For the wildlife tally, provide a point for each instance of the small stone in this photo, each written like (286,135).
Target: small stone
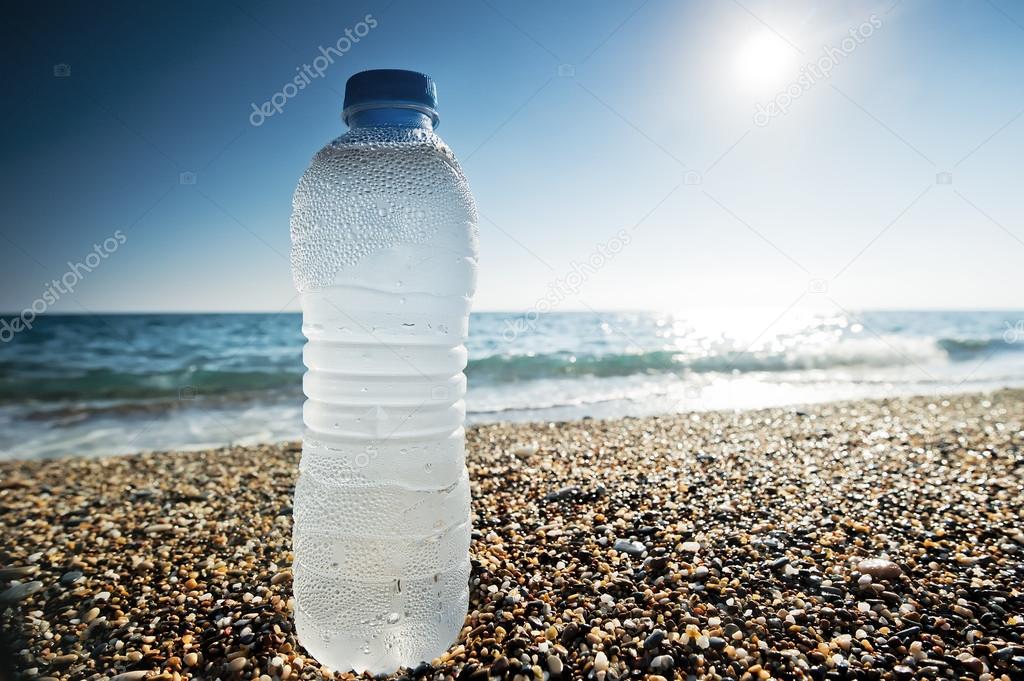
(238,664)
(903,672)
(600,662)
(971,663)
(966,613)
(192,659)
(64,660)
(570,633)
(909,632)
(159,527)
(136,675)
(20,592)
(691,546)
(282,576)
(655,639)
(555,664)
(879,568)
(16,572)
(525,451)
(633,548)
(563,493)
(69,578)
(662,663)
(499,666)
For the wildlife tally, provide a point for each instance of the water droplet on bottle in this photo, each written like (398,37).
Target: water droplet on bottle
(393,617)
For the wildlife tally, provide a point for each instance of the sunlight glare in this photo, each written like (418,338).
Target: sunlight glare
(764,62)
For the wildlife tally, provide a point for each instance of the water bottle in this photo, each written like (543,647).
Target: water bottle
(384,256)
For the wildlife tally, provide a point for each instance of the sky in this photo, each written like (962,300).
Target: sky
(847,154)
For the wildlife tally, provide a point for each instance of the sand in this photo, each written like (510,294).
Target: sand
(876,539)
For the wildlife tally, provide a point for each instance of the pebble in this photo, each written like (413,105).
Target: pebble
(524,451)
(20,592)
(662,663)
(633,548)
(137,675)
(564,493)
(16,572)
(64,660)
(879,568)
(600,662)
(655,639)
(69,578)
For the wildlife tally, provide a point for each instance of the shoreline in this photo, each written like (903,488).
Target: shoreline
(716,543)
(272,420)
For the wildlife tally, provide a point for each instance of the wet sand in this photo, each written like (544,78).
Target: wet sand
(873,539)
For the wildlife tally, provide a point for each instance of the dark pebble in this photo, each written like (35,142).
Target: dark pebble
(563,493)
(656,637)
(629,547)
(69,578)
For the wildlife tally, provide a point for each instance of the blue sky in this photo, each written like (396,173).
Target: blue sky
(574,121)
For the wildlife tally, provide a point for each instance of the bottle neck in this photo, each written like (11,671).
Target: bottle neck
(390,116)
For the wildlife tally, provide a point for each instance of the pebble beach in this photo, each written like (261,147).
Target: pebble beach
(857,540)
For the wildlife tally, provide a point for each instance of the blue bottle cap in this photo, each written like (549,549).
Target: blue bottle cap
(396,88)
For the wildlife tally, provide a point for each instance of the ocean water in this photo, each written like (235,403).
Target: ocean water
(106,384)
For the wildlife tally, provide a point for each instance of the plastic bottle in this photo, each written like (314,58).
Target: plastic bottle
(384,256)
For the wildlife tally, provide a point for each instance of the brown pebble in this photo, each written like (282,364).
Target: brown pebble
(64,660)
(879,568)
(136,675)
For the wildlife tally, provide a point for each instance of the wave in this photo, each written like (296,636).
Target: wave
(970,347)
(110,384)
(881,352)
(20,382)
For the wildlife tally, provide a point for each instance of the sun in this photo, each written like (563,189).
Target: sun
(764,62)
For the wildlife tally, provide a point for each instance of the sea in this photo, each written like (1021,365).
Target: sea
(93,385)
